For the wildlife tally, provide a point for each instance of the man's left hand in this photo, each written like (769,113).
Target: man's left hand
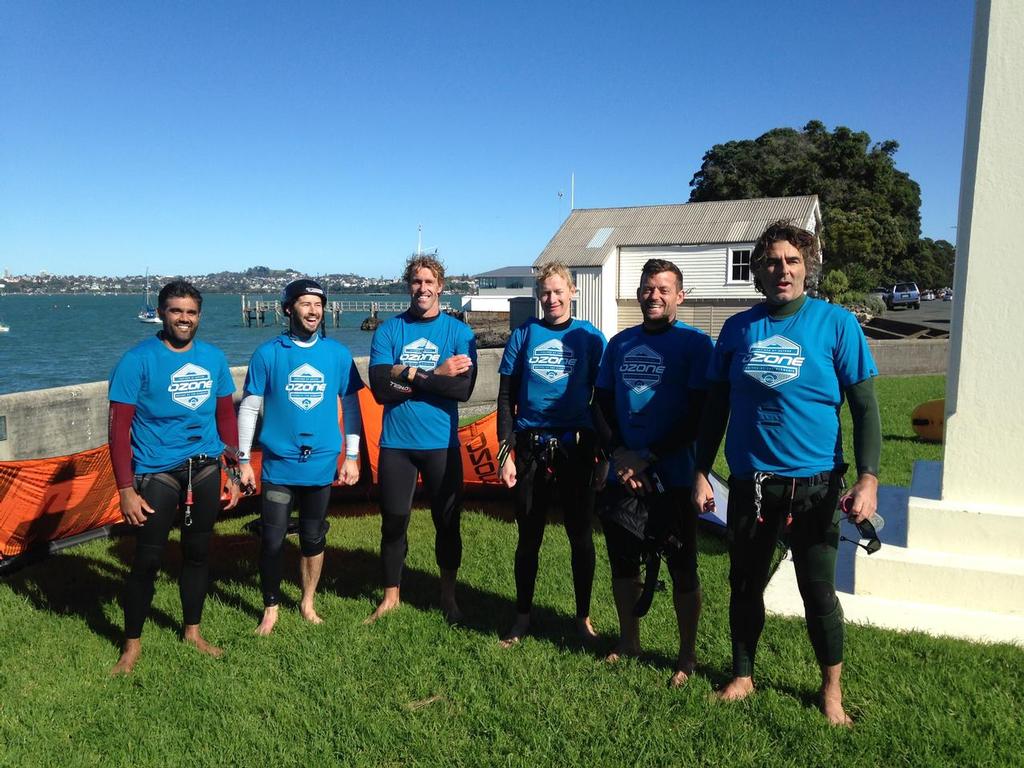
(349,474)
(863,499)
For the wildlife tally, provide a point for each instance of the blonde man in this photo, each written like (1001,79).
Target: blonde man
(547,382)
(422,365)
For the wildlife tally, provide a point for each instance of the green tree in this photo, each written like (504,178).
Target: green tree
(870,209)
(835,287)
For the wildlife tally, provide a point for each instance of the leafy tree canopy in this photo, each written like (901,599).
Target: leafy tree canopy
(870,210)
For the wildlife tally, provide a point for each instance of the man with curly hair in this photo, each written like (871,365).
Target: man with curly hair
(779,375)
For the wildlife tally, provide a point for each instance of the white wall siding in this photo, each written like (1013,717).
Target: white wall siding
(588,294)
(705,270)
(709,318)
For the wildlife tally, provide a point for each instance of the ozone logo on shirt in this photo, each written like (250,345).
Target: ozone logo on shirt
(773,361)
(642,368)
(552,361)
(191,386)
(422,354)
(306,387)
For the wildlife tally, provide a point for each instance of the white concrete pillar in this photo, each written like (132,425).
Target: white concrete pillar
(984,452)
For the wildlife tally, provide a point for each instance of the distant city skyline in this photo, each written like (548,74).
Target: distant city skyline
(198,138)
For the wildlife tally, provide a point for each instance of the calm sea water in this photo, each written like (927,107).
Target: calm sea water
(59,340)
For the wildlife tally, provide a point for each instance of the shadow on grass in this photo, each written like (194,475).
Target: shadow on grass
(356,574)
(79,585)
(905,439)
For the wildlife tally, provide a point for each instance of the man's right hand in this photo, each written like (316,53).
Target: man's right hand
(703,493)
(134,508)
(631,471)
(456,365)
(508,472)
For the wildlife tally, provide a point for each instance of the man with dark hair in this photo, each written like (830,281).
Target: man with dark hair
(297,377)
(422,365)
(779,374)
(171,415)
(649,394)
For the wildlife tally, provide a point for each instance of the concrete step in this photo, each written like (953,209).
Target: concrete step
(942,578)
(782,598)
(939,525)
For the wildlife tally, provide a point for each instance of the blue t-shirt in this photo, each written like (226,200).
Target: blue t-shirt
(300,387)
(651,375)
(787,378)
(557,369)
(424,421)
(175,398)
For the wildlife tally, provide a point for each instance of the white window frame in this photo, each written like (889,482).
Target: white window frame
(729,266)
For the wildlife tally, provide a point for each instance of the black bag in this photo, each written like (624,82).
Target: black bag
(652,519)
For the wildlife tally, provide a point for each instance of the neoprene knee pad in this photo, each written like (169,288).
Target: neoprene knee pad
(312,542)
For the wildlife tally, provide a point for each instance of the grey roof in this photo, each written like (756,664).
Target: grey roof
(723,221)
(525,271)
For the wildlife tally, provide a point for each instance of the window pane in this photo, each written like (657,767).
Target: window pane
(741,266)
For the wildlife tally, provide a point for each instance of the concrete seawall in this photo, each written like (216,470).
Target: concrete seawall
(64,420)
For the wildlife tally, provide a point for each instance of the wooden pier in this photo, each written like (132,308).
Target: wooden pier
(260,312)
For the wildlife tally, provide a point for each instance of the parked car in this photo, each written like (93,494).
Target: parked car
(927,296)
(903,295)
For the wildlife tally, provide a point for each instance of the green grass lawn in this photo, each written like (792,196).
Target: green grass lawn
(412,690)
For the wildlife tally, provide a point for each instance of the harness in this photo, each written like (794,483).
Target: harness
(196,468)
(549,449)
(822,478)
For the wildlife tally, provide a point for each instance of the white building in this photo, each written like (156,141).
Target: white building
(711,243)
(496,287)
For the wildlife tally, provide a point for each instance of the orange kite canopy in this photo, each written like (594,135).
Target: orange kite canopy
(45,500)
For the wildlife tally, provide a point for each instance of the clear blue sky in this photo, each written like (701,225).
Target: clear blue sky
(197,136)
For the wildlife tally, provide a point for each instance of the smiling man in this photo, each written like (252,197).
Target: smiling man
(171,415)
(650,390)
(779,374)
(422,365)
(547,382)
(298,377)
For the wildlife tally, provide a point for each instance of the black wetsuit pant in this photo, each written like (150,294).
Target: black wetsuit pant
(165,493)
(626,550)
(441,470)
(810,509)
(276,505)
(564,481)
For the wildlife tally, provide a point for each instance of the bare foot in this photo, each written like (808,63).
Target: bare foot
(832,707)
(268,621)
(620,651)
(684,668)
(129,655)
(737,689)
(518,631)
(585,629)
(386,606)
(309,613)
(193,638)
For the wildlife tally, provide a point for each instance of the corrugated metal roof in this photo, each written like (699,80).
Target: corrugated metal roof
(526,271)
(723,221)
